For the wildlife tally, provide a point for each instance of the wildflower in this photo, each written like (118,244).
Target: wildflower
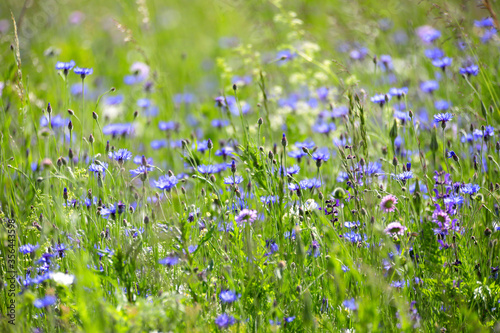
(45,301)
(428,34)
(246,215)
(233,180)
(443,118)
(272,247)
(488,34)
(224,152)
(28,248)
(166,183)
(61,278)
(219,123)
(169,261)
(350,304)
(442,63)
(454,200)
(140,171)
(294,169)
(298,154)
(118,129)
(451,154)
(403,176)
(442,105)
(224,321)
(106,212)
(98,168)
(207,169)
(168,125)
(228,296)
(388,203)
(429,86)
(321,155)
(310,183)
(470,188)
(121,156)
(434,53)
(395,228)
(83,72)
(398,92)
(380,99)
(486,22)
(469,70)
(65,66)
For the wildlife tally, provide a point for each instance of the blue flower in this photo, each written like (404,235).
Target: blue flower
(442,63)
(398,92)
(271,246)
(28,248)
(166,183)
(207,169)
(233,180)
(488,34)
(350,304)
(228,296)
(321,155)
(106,212)
(323,128)
(298,154)
(141,170)
(469,70)
(158,144)
(98,168)
(168,125)
(429,86)
(122,155)
(169,261)
(45,301)
(224,151)
(285,56)
(403,176)
(454,200)
(118,129)
(65,66)
(450,154)
(83,72)
(434,53)
(224,321)
(443,117)
(310,183)
(219,123)
(486,22)
(470,188)
(428,34)
(380,99)
(294,169)
(442,105)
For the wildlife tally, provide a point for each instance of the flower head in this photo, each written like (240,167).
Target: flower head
(121,156)
(395,228)
(166,183)
(246,215)
(388,203)
(83,72)
(224,320)
(169,261)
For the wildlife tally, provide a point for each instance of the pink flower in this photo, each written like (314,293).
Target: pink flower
(388,203)
(246,215)
(395,228)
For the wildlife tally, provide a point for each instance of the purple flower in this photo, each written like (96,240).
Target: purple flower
(224,321)
(246,215)
(442,63)
(429,86)
(121,156)
(469,70)
(118,129)
(83,72)
(65,66)
(443,118)
(166,183)
(395,228)
(388,203)
(350,304)
(28,248)
(428,34)
(45,301)
(398,92)
(434,53)
(169,261)
(228,296)
(380,99)
(233,180)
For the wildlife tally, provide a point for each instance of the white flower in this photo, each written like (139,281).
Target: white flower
(61,278)
(310,205)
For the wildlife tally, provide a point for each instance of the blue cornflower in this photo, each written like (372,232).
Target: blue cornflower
(219,123)
(454,200)
(442,63)
(443,118)
(45,301)
(486,22)
(158,144)
(309,144)
(168,125)
(141,170)
(469,70)
(489,131)
(65,66)
(185,98)
(138,160)
(192,248)
(434,53)
(403,176)
(470,188)
(118,129)
(398,92)
(350,304)
(121,156)
(298,154)
(228,296)
(224,151)
(207,169)
(169,261)
(385,62)
(429,86)
(233,180)
(106,212)
(353,237)
(450,154)
(324,128)
(293,187)
(28,248)
(272,247)
(114,100)
(310,183)
(55,122)
(428,34)
(342,177)
(488,34)
(358,54)
(442,105)
(98,168)
(224,321)
(294,169)
(285,56)
(269,199)
(166,183)
(380,99)
(83,72)
(321,155)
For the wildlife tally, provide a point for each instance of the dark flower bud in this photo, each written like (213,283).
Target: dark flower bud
(94,115)
(321,196)
(70,153)
(107,147)
(212,178)
(170,173)
(384,151)
(408,166)
(362,161)
(136,114)
(65,194)
(305,150)
(49,108)
(233,166)
(235,87)
(59,162)
(261,149)
(411,114)
(71,112)
(284,141)
(260,121)
(487,232)
(271,155)
(70,125)
(146,220)
(395,161)
(210,144)
(203,192)
(249,186)
(91,138)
